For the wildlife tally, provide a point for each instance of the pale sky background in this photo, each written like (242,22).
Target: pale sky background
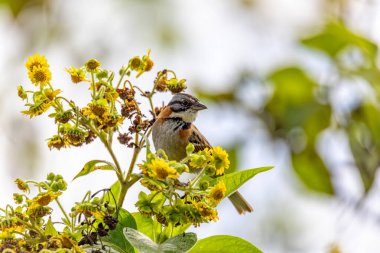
(207,42)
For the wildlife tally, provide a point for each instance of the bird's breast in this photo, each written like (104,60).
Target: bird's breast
(168,136)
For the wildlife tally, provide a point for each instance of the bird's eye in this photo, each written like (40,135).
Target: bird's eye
(186,103)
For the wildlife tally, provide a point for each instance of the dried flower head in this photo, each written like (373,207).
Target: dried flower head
(135,63)
(92,65)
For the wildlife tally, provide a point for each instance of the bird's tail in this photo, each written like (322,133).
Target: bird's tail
(241,205)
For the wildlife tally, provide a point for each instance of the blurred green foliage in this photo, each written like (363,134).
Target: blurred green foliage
(300,108)
(17,6)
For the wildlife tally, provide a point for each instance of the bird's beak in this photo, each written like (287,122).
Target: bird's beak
(199,106)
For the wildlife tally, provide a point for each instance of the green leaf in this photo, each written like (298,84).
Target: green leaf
(365,145)
(140,241)
(294,109)
(312,171)
(294,105)
(146,225)
(236,179)
(50,229)
(224,244)
(336,37)
(179,244)
(233,157)
(180,229)
(220,97)
(116,238)
(114,193)
(92,166)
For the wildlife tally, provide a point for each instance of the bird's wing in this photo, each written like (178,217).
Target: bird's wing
(198,140)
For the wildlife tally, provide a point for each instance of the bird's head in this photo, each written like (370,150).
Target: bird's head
(185,106)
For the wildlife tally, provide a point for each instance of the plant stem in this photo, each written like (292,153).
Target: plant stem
(136,152)
(197,177)
(121,77)
(93,85)
(65,214)
(123,193)
(119,172)
(151,106)
(32,227)
(124,189)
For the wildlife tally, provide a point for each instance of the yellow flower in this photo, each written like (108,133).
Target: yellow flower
(217,193)
(51,94)
(36,60)
(148,63)
(57,142)
(206,211)
(160,170)
(175,85)
(141,65)
(110,121)
(21,92)
(6,235)
(38,108)
(220,160)
(73,135)
(10,225)
(44,199)
(89,209)
(77,75)
(99,107)
(199,160)
(22,185)
(40,75)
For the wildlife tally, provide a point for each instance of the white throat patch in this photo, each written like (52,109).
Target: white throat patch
(187,116)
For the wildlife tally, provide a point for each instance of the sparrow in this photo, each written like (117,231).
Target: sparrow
(173,130)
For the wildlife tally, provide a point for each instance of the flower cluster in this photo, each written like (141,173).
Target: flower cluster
(164,83)
(30,217)
(179,203)
(98,218)
(38,70)
(111,103)
(113,108)
(88,221)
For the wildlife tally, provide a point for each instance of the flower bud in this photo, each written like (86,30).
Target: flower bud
(57,177)
(21,92)
(102,74)
(18,198)
(203,185)
(210,170)
(135,63)
(190,148)
(54,187)
(92,65)
(50,176)
(62,184)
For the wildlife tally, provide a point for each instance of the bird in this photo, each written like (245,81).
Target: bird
(174,129)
